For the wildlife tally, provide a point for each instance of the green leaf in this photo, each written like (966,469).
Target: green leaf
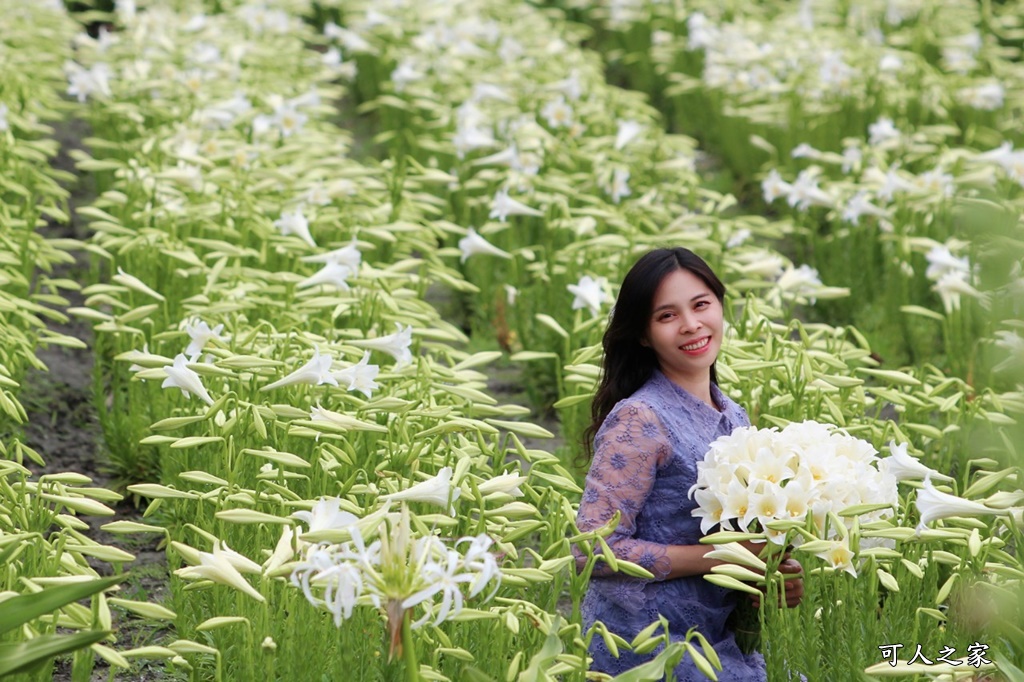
(21,609)
(1008,669)
(655,668)
(571,400)
(544,658)
(21,656)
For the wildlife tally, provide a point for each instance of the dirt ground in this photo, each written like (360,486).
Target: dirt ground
(64,429)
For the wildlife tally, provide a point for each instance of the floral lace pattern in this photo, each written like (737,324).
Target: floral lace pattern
(645,460)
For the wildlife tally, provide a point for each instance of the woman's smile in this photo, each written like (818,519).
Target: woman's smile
(697,347)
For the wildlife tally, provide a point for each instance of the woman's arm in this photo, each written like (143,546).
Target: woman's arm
(630,447)
(687,560)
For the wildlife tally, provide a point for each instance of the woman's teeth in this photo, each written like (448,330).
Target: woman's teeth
(698,345)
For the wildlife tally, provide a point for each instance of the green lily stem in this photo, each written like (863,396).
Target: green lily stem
(412,664)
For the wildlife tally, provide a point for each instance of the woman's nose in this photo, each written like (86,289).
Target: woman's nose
(689,322)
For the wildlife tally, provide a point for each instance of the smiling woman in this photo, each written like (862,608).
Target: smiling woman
(655,412)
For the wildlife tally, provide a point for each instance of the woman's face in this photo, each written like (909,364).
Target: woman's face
(685,327)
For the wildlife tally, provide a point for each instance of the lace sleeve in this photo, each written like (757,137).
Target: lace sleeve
(628,450)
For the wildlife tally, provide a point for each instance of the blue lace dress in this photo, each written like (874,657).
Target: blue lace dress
(645,456)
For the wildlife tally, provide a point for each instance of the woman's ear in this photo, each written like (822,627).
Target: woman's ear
(644,342)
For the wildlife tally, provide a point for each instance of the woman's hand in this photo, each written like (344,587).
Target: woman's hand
(794,586)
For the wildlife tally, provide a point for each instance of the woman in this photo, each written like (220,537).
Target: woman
(655,413)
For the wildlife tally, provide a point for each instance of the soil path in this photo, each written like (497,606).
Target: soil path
(63,427)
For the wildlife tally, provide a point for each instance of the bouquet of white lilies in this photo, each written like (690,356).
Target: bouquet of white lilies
(753,479)
(771,481)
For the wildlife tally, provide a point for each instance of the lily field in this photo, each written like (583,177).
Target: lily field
(307,247)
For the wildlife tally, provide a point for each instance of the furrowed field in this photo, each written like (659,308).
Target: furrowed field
(301,305)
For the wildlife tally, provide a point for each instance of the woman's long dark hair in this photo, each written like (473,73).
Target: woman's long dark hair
(628,364)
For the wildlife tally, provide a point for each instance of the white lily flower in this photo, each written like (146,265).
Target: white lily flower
(295,223)
(436,490)
(218,568)
(238,105)
(4,125)
(800,282)
(737,238)
(349,256)
(473,244)
(935,182)
(892,182)
(445,579)
(627,132)
(904,466)
(589,293)
(480,560)
(318,195)
(83,83)
(890,63)
(835,72)
(934,504)
(396,345)
(331,273)
(571,86)
(326,514)
(773,186)
(618,186)
(470,137)
(951,286)
(735,501)
(315,372)
(838,556)
(769,467)
(852,157)
(125,10)
(242,563)
(344,586)
(360,376)
(407,71)
(332,57)
(350,40)
(503,206)
(342,579)
(284,551)
(1013,343)
(882,132)
(859,205)
(709,510)
(558,113)
(766,506)
(180,376)
(484,91)
(804,192)
(941,261)
(1000,155)
(201,334)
